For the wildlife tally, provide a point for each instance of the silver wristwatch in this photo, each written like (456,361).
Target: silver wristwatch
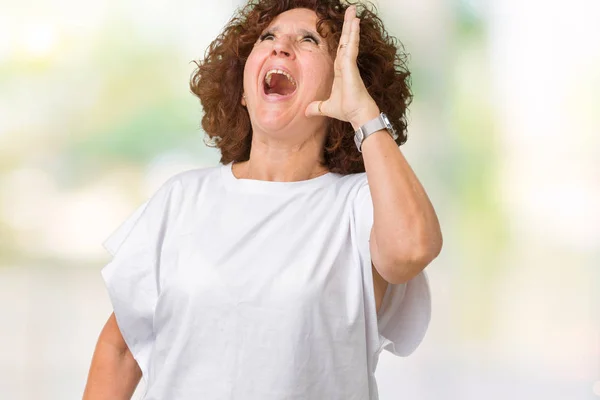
(374,125)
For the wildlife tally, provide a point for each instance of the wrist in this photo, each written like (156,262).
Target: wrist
(364,115)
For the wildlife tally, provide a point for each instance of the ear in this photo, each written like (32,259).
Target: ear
(243,101)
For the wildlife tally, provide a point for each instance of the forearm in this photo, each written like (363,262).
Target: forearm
(406,234)
(114,373)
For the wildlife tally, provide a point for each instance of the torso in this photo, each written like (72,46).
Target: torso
(235,319)
(379,284)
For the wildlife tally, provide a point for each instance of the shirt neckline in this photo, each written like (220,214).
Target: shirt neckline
(255,185)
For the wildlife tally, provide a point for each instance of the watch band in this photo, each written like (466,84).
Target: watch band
(372,126)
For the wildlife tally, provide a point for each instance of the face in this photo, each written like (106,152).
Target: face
(289,67)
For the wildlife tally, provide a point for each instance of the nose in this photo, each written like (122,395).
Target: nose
(282,48)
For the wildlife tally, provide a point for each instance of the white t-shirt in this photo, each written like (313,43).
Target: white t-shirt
(241,289)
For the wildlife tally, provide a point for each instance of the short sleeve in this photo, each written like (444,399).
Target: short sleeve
(131,277)
(405,312)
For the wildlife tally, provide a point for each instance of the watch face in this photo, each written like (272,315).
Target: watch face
(386,121)
(389,126)
(360,134)
(358,142)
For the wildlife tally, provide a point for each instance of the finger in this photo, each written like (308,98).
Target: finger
(313,109)
(348,16)
(353,39)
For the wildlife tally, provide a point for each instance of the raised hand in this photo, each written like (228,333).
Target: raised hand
(349,100)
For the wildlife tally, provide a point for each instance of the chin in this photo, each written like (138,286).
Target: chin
(274,120)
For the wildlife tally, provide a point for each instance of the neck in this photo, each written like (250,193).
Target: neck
(280,166)
(282,172)
(290,157)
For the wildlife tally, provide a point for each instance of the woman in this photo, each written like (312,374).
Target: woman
(283,273)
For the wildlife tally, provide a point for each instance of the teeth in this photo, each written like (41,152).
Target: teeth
(278,71)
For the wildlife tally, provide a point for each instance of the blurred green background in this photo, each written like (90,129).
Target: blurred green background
(95,114)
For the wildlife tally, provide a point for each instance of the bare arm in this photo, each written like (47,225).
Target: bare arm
(114,373)
(406,233)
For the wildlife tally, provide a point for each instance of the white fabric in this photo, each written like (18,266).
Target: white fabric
(228,288)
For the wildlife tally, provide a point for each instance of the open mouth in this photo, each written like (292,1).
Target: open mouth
(279,82)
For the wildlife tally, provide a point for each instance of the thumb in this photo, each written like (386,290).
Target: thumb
(313,109)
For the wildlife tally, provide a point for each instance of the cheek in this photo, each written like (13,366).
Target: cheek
(247,74)
(321,73)
(251,69)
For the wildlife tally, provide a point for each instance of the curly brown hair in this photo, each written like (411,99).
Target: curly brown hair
(218,78)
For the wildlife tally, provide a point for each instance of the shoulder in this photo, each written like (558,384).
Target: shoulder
(196,176)
(353,181)
(189,181)
(353,186)
(181,190)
